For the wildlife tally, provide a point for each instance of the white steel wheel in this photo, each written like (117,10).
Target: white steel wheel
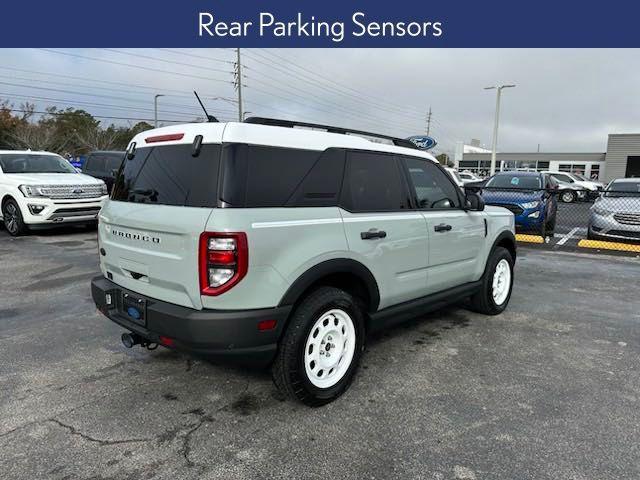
(329,348)
(501,282)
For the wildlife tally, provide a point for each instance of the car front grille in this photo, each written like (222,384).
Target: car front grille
(516,209)
(628,218)
(72,191)
(624,233)
(74,212)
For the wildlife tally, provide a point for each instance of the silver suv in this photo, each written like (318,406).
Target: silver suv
(273,245)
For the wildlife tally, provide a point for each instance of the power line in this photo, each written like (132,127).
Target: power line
(316,75)
(58,90)
(109,89)
(37,112)
(331,103)
(356,93)
(156,59)
(141,67)
(90,104)
(354,114)
(193,55)
(176,93)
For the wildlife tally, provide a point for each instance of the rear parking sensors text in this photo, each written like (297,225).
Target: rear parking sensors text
(301,26)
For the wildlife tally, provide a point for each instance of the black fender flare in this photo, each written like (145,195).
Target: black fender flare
(329,267)
(505,235)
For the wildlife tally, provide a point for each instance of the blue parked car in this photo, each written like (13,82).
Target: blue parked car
(531,196)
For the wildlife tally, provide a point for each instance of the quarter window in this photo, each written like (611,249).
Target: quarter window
(373,183)
(432,187)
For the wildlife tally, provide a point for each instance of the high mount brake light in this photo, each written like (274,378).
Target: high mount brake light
(223,261)
(164,138)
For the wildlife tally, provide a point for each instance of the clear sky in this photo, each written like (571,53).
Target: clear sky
(565,100)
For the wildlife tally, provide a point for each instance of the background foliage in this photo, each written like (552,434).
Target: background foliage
(71,131)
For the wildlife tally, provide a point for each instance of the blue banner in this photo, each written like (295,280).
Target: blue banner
(330,23)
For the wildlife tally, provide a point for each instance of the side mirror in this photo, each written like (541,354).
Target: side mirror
(476,184)
(114,172)
(474,202)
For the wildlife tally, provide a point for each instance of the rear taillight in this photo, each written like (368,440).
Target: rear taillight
(223,260)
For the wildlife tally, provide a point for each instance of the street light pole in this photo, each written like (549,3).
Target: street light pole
(155,109)
(498,89)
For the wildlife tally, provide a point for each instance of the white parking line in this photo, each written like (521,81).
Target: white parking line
(564,239)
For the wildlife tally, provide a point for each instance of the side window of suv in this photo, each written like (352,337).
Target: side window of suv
(94,163)
(373,183)
(433,188)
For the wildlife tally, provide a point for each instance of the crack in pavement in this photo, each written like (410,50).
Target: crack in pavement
(185,450)
(74,431)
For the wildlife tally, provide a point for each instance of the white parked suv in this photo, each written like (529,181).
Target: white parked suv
(282,246)
(42,189)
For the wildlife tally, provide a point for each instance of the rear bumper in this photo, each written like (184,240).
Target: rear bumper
(226,335)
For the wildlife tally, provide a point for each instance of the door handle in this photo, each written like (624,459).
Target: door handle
(373,234)
(442,228)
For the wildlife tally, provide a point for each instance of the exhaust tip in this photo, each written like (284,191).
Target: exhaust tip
(130,339)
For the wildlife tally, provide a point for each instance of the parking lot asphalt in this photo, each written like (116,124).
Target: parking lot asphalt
(550,389)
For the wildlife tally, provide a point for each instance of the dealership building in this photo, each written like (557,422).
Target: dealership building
(622,159)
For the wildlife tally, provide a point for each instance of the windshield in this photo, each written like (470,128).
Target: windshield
(580,177)
(563,177)
(34,163)
(523,182)
(623,189)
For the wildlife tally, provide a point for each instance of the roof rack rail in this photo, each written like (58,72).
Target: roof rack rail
(275,122)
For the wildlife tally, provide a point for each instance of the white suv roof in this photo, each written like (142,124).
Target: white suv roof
(259,134)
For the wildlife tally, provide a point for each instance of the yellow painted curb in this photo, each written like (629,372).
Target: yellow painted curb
(520,237)
(622,247)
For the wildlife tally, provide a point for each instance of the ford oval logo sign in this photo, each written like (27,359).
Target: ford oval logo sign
(423,142)
(133,313)
(78,191)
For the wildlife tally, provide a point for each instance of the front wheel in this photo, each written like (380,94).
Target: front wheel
(13,221)
(321,347)
(497,283)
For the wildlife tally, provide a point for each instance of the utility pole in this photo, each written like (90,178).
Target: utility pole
(498,89)
(155,109)
(239,80)
(429,122)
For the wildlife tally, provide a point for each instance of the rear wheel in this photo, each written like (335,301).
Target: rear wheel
(320,350)
(12,217)
(497,283)
(568,196)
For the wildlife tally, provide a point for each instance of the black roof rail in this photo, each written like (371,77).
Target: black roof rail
(275,122)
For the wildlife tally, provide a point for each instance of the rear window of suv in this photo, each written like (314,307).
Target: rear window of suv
(170,175)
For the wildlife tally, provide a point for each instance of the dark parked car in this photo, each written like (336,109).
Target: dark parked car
(103,165)
(531,196)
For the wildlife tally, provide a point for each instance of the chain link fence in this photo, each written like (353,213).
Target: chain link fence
(600,219)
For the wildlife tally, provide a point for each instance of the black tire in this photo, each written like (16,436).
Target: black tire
(289,371)
(543,230)
(482,301)
(12,218)
(570,196)
(551,227)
